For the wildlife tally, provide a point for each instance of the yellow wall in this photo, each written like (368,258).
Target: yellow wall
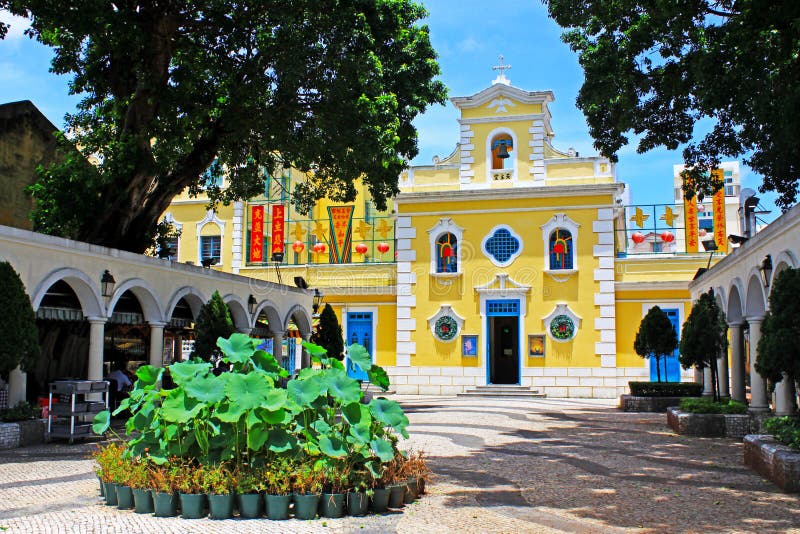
(527,269)
(485,111)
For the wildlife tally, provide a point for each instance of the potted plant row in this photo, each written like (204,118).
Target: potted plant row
(249,437)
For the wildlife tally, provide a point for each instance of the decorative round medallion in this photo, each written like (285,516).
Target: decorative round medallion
(562,328)
(445,328)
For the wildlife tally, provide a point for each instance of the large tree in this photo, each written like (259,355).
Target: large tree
(177,93)
(656,68)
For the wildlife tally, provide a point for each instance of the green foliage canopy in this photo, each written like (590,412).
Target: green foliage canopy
(656,338)
(175,93)
(19,336)
(657,68)
(778,349)
(213,321)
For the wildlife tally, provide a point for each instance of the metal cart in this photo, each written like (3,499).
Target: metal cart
(73,419)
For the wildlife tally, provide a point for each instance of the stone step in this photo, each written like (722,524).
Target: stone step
(499,390)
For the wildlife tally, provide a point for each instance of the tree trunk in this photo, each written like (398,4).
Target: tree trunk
(658,368)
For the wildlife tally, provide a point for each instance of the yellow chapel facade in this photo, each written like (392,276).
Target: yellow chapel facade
(509,262)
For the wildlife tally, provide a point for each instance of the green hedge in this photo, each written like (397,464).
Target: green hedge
(786,430)
(665,389)
(703,405)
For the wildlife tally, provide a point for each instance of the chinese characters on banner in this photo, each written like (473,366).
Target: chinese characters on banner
(341,218)
(690,223)
(257,234)
(720,231)
(278,230)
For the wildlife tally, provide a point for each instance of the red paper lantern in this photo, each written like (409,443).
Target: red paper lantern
(319,248)
(383,248)
(298,246)
(667,237)
(361,248)
(637,237)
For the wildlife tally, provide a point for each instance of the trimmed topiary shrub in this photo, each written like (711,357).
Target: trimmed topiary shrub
(213,322)
(656,339)
(665,389)
(329,333)
(703,405)
(19,337)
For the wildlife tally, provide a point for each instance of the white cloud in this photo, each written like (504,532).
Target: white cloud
(470,44)
(18,25)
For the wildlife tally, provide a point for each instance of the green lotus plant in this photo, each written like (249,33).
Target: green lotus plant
(245,417)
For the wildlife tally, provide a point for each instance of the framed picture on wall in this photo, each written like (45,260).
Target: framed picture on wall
(536,345)
(469,345)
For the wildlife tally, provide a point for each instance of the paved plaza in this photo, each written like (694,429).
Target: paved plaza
(544,465)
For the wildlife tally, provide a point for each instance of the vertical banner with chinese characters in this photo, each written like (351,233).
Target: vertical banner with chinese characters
(341,218)
(257,234)
(720,231)
(278,232)
(690,223)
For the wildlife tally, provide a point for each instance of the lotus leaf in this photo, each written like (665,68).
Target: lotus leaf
(101,422)
(341,387)
(247,391)
(266,362)
(317,353)
(209,389)
(304,392)
(229,413)
(178,408)
(274,399)
(276,417)
(123,405)
(356,413)
(183,372)
(238,348)
(359,356)
(148,375)
(389,413)
(361,432)
(336,364)
(378,377)
(332,446)
(256,437)
(382,449)
(280,441)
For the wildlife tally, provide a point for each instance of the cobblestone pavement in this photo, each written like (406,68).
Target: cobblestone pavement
(544,465)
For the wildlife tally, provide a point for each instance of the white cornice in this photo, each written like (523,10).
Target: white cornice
(511,193)
(504,118)
(650,285)
(483,97)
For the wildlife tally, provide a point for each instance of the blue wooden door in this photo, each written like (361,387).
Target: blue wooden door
(359,330)
(673,367)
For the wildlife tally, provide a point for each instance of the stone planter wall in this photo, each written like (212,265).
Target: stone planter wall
(773,460)
(22,433)
(630,403)
(708,424)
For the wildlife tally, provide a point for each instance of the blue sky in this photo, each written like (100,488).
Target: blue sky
(469,36)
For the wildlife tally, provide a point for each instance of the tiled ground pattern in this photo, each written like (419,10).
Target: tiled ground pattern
(544,465)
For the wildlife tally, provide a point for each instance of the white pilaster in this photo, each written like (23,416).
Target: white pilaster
(605,297)
(238,236)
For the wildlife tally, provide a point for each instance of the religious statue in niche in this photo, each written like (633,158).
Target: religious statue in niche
(445,328)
